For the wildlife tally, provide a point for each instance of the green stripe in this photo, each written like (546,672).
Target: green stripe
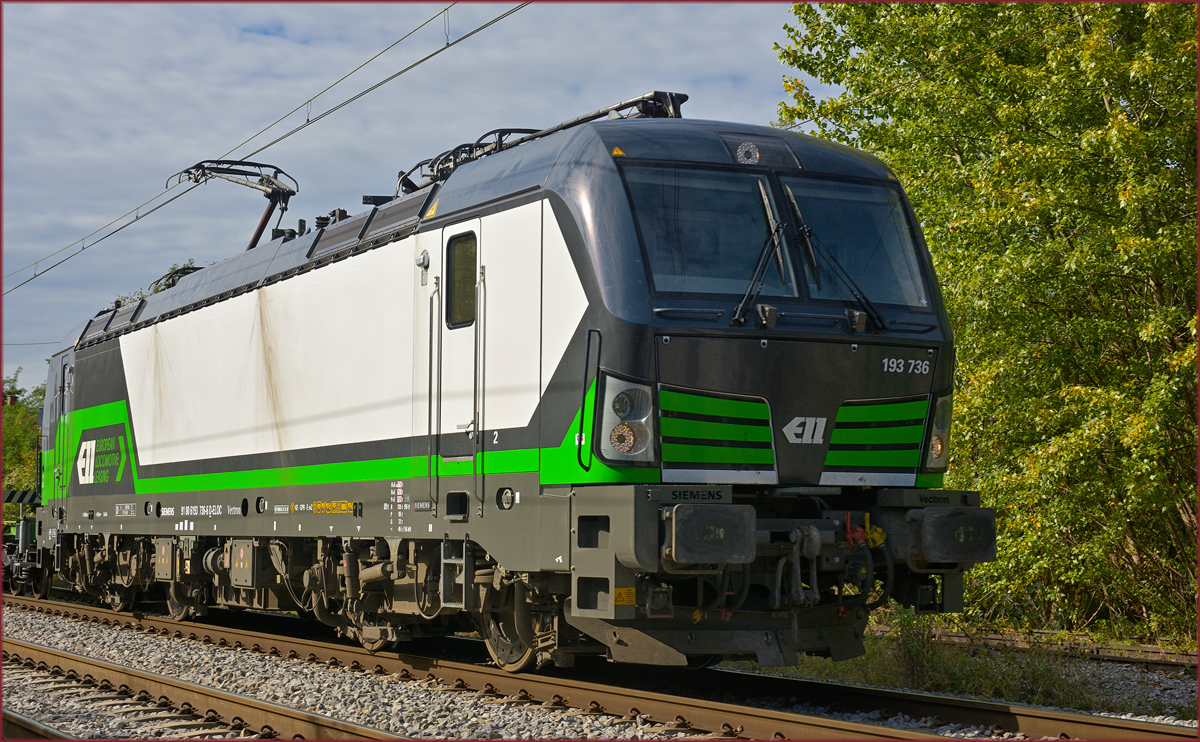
(891,459)
(355,471)
(674,427)
(878,413)
(510,462)
(677,453)
(560,465)
(904,434)
(713,406)
(495,462)
(930,480)
(557,465)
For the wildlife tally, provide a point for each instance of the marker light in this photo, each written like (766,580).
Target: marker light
(938,446)
(627,424)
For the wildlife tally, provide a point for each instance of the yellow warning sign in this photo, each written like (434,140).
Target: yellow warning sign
(625,596)
(432,210)
(616,153)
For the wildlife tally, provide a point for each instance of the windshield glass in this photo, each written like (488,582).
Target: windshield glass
(703,230)
(865,228)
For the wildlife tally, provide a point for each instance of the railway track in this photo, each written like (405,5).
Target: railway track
(17,726)
(685,713)
(1071,645)
(212,710)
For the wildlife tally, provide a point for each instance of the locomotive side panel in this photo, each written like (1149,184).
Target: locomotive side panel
(316,361)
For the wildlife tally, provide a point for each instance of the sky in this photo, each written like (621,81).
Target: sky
(102,103)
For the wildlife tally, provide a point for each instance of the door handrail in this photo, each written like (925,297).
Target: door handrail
(477,401)
(579,439)
(435,319)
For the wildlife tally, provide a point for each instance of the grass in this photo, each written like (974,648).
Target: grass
(909,658)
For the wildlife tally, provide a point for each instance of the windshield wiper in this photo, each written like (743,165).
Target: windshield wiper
(760,274)
(808,236)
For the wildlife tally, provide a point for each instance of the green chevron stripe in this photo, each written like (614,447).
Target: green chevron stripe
(674,427)
(861,436)
(873,459)
(878,413)
(713,406)
(685,453)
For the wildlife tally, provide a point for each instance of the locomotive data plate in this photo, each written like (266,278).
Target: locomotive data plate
(715,493)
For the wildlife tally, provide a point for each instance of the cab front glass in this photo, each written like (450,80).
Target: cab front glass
(703,228)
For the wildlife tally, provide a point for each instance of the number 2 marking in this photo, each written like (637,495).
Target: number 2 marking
(495,436)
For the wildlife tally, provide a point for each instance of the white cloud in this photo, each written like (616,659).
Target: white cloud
(103,102)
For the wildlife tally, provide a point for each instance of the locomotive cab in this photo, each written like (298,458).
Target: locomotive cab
(774,365)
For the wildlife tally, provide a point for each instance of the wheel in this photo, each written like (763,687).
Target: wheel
(179,611)
(40,580)
(119,598)
(16,587)
(499,633)
(379,645)
(701,661)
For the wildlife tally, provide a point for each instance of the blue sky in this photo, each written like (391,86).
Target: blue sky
(103,102)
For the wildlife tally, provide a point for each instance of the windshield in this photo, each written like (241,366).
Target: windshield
(703,230)
(864,227)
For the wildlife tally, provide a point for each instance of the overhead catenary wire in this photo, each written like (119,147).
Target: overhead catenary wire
(386,80)
(140,216)
(943,68)
(308,103)
(137,211)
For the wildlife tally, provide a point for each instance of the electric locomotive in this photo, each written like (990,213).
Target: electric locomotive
(662,389)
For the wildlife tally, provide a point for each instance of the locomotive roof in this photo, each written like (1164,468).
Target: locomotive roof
(488,179)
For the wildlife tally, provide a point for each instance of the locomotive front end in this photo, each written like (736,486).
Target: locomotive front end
(779,378)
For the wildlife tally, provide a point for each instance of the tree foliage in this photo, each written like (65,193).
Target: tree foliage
(20,427)
(20,437)
(1055,177)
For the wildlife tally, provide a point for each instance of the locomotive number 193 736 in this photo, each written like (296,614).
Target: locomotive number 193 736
(900,366)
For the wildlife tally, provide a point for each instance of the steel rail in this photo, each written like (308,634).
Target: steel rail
(1136,654)
(17,726)
(696,714)
(660,708)
(1074,645)
(269,719)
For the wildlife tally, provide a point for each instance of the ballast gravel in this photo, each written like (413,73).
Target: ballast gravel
(384,702)
(414,710)
(1174,692)
(74,712)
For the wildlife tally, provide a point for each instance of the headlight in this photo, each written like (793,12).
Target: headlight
(938,446)
(627,424)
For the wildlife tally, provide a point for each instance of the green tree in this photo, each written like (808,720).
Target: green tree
(1050,152)
(20,426)
(20,437)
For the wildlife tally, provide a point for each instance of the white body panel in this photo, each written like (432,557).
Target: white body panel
(458,360)
(320,359)
(426,314)
(563,298)
(342,354)
(512,260)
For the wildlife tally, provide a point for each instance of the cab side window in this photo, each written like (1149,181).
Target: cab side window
(460,280)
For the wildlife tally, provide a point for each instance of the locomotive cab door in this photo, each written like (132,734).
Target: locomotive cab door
(459,388)
(64,459)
